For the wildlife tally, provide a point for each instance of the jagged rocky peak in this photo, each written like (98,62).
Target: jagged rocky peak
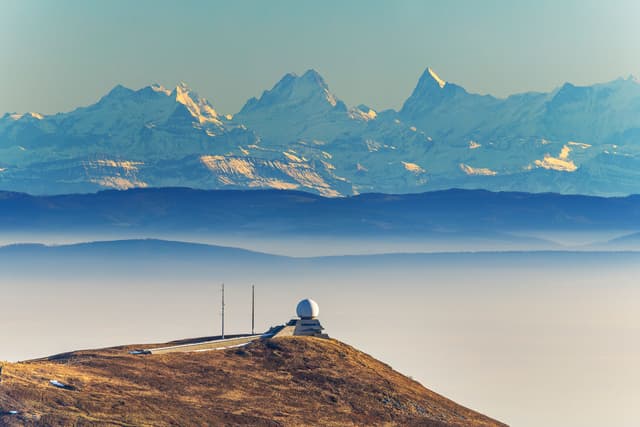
(570,93)
(431,90)
(121,94)
(308,88)
(313,77)
(310,80)
(198,106)
(156,101)
(436,78)
(183,91)
(430,81)
(158,88)
(118,92)
(22,116)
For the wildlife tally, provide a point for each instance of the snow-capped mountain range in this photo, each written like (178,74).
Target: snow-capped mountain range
(299,135)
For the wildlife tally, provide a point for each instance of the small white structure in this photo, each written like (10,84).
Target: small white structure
(307,309)
(307,324)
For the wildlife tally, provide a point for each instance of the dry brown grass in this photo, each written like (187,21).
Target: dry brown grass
(281,382)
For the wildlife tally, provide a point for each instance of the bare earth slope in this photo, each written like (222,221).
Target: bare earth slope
(286,381)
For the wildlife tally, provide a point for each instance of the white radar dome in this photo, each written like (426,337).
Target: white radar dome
(307,309)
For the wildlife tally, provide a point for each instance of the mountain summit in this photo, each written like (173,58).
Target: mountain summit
(299,135)
(429,82)
(437,78)
(293,90)
(444,108)
(199,108)
(283,381)
(296,107)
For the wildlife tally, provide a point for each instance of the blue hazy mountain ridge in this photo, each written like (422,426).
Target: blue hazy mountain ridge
(446,214)
(300,136)
(155,248)
(629,241)
(148,253)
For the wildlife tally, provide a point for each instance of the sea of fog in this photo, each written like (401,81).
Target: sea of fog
(545,338)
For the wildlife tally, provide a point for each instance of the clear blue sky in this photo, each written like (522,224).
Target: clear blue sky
(56,55)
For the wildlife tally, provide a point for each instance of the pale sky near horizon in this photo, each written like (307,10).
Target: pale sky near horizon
(58,55)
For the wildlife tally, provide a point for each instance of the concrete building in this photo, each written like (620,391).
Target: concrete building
(307,323)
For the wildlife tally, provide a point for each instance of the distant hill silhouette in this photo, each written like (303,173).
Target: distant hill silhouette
(277,212)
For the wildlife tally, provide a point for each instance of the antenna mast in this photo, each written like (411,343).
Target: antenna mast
(253,309)
(223,311)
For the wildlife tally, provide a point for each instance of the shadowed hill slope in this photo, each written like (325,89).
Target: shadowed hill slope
(287,381)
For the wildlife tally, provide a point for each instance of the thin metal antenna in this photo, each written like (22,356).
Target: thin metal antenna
(253,309)
(223,311)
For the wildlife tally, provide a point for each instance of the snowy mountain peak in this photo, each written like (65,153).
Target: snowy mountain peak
(633,78)
(160,89)
(18,116)
(310,89)
(198,107)
(430,81)
(313,76)
(118,91)
(299,108)
(431,90)
(309,77)
(181,90)
(437,78)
